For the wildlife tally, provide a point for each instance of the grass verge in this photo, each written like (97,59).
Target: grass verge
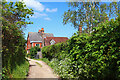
(21,71)
(38,64)
(43,59)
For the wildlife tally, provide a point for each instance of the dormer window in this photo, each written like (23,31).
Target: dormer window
(52,42)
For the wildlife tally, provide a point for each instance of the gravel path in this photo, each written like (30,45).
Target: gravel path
(39,69)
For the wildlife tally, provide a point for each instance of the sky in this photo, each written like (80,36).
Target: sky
(48,14)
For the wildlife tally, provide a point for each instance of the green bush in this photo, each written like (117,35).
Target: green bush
(54,51)
(33,51)
(89,56)
(45,60)
(62,67)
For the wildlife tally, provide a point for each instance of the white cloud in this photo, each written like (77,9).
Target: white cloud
(37,14)
(36,5)
(51,10)
(47,18)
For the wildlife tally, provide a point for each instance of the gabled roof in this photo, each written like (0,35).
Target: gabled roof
(35,36)
(56,39)
(48,35)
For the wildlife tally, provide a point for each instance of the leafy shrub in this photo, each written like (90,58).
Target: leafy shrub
(54,63)
(54,51)
(92,56)
(64,68)
(33,51)
(45,60)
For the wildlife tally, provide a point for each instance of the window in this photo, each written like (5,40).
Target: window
(52,42)
(37,45)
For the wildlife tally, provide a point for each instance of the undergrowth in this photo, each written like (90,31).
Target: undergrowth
(21,71)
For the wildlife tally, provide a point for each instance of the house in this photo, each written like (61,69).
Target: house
(42,39)
(36,39)
(54,40)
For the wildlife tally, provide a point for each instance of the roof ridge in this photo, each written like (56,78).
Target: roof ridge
(48,33)
(32,32)
(60,37)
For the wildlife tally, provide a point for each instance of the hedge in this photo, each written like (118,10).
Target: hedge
(54,51)
(92,56)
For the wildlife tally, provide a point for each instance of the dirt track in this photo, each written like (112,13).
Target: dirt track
(41,70)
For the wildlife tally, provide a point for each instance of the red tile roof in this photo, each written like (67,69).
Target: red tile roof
(56,39)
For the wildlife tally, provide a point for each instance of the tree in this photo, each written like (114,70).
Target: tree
(14,16)
(89,14)
(16,13)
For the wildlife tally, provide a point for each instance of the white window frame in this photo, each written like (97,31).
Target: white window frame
(52,42)
(34,41)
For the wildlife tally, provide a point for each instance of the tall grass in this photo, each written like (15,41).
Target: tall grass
(21,71)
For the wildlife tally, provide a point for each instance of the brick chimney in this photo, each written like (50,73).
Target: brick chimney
(39,31)
(80,29)
(42,30)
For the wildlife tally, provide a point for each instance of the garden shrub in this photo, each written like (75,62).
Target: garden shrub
(54,51)
(63,68)
(33,51)
(89,56)
(45,60)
